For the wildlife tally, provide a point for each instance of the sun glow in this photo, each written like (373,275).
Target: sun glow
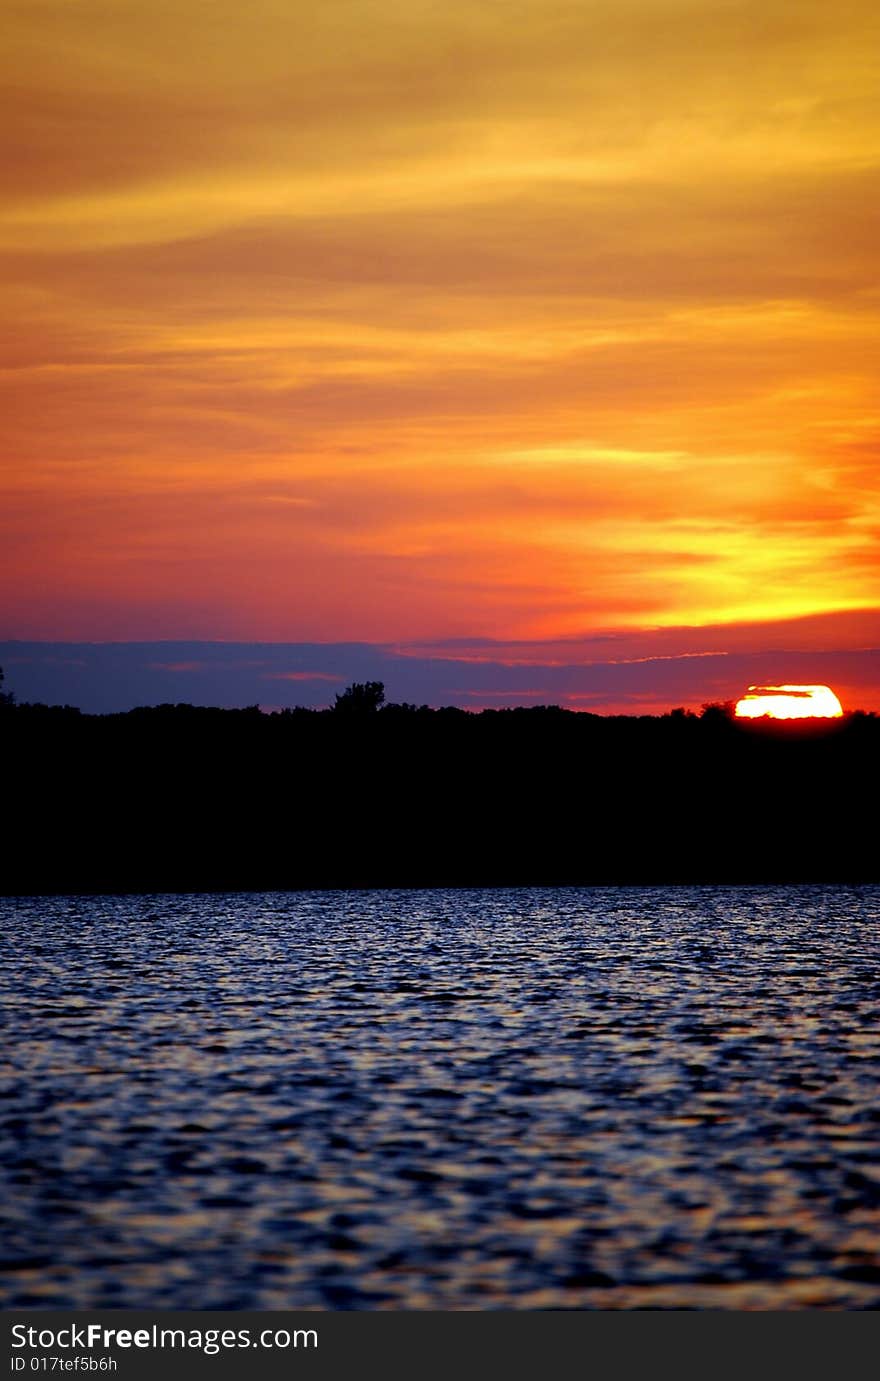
(789,702)
(464,322)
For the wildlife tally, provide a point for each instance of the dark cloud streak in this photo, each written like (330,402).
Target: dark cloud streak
(105,677)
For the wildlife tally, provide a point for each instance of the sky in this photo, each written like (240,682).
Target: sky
(425,325)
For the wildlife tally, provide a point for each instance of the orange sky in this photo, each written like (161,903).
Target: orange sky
(413,320)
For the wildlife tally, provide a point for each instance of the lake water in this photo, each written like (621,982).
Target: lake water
(558,1098)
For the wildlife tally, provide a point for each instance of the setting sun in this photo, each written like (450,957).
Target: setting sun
(789,702)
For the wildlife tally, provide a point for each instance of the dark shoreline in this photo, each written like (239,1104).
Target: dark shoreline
(181,799)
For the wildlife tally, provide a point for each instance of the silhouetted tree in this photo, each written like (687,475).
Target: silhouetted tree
(717,710)
(6,697)
(361,697)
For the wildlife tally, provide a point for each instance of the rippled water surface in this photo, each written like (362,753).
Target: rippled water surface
(442,1099)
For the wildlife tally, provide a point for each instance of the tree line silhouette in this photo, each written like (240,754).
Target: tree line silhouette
(366,793)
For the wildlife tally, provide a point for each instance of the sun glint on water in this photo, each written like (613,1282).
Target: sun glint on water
(789,702)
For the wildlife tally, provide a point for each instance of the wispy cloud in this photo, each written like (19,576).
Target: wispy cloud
(414,322)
